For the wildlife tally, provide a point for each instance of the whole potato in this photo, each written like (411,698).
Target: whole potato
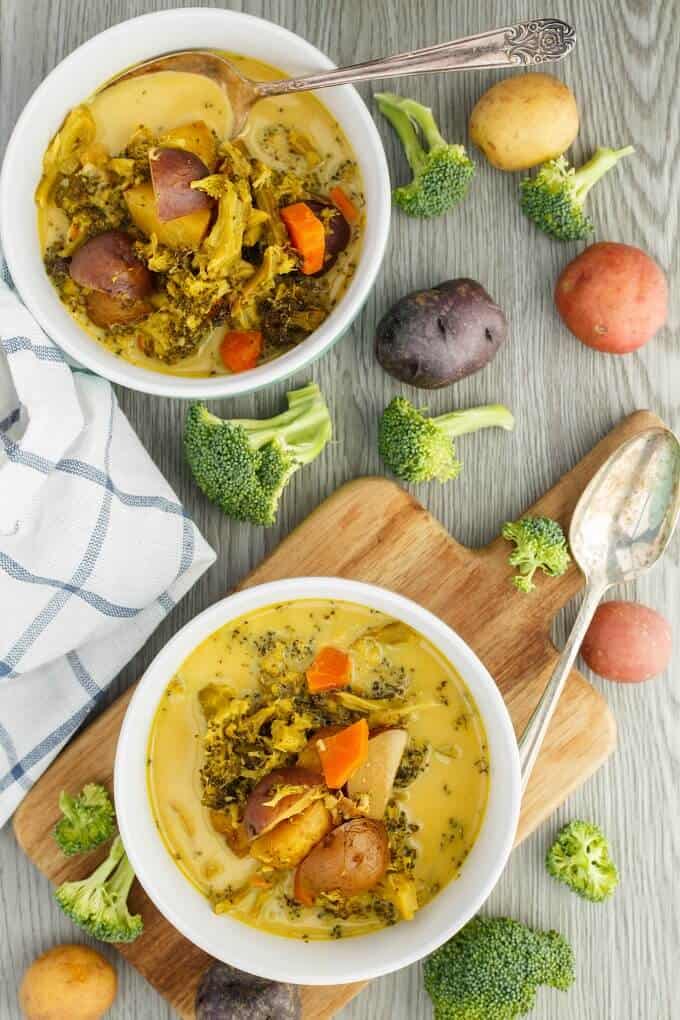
(524,120)
(350,860)
(613,297)
(73,982)
(108,263)
(434,337)
(627,642)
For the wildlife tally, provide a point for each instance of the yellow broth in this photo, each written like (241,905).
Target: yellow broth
(446,801)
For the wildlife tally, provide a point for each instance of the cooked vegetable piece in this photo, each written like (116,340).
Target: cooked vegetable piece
(282,793)
(241,349)
(234,832)
(435,337)
(493,967)
(73,982)
(375,778)
(441,172)
(195,137)
(108,263)
(98,904)
(404,894)
(351,859)
(627,642)
(107,310)
(172,173)
(524,120)
(87,821)
(580,858)
(539,543)
(343,753)
(420,449)
(62,156)
(185,233)
(290,841)
(307,235)
(225,993)
(341,199)
(308,757)
(337,232)
(331,669)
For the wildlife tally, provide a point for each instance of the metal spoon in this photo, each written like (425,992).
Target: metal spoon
(530,42)
(620,527)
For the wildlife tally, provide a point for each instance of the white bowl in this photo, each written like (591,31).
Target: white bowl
(273,956)
(76,78)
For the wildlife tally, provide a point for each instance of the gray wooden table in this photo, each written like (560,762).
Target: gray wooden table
(625,76)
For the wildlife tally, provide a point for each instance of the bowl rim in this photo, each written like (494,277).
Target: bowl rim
(56,321)
(255,950)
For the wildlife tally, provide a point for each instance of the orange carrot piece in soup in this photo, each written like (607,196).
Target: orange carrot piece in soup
(342,754)
(331,670)
(241,349)
(344,203)
(307,235)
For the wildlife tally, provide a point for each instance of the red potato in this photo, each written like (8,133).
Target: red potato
(108,263)
(172,172)
(108,310)
(260,817)
(627,642)
(613,297)
(351,859)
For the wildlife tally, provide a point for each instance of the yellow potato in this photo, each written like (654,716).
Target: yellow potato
(524,120)
(182,234)
(287,844)
(68,981)
(195,137)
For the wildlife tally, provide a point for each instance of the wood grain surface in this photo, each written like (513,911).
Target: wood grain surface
(625,75)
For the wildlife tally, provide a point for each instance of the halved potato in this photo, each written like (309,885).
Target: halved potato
(375,778)
(172,174)
(351,859)
(269,803)
(182,234)
(195,137)
(107,310)
(290,841)
(108,263)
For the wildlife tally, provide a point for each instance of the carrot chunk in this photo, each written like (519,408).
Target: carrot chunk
(331,669)
(342,754)
(240,349)
(344,203)
(307,235)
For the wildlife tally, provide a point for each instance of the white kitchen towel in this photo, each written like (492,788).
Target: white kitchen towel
(95,549)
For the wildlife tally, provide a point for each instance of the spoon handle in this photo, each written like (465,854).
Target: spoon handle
(530,42)
(531,740)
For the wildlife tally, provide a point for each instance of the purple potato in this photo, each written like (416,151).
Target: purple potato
(435,337)
(108,263)
(172,172)
(225,993)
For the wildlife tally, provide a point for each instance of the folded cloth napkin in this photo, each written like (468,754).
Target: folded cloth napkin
(94,547)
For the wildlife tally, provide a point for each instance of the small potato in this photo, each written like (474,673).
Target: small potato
(375,778)
(259,816)
(613,297)
(73,982)
(182,234)
(195,137)
(627,642)
(172,172)
(289,842)
(524,120)
(108,263)
(350,860)
(107,310)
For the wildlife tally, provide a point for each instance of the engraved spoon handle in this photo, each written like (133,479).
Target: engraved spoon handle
(530,42)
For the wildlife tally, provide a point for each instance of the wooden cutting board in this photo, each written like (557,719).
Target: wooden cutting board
(372,530)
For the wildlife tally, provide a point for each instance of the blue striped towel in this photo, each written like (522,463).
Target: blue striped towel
(94,547)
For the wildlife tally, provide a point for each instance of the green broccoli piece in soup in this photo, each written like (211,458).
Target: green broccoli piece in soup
(580,857)
(441,172)
(243,465)
(539,543)
(418,449)
(491,969)
(555,197)
(98,904)
(88,820)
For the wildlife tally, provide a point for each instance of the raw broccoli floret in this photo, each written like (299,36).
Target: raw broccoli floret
(539,542)
(491,968)
(441,172)
(243,465)
(555,197)
(580,858)
(88,820)
(417,448)
(98,904)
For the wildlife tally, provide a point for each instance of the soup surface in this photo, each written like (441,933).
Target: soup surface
(281,826)
(224,255)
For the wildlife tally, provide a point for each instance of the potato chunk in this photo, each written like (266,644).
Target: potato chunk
(183,234)
(290,842)
(375,778)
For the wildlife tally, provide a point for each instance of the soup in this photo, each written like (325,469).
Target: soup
(318,770)
(185,252)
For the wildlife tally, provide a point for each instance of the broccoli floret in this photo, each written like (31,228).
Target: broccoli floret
(491,968)
(243,465)
(88,821)
(580,858)
(98,904)
(539,542)
(417,448)
(555,197)
(441,172)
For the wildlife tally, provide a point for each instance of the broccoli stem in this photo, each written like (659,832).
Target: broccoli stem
(390,106)
(597,166)
(424,119)
(122,879)
(306,411)
(458,423)
(100,874)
